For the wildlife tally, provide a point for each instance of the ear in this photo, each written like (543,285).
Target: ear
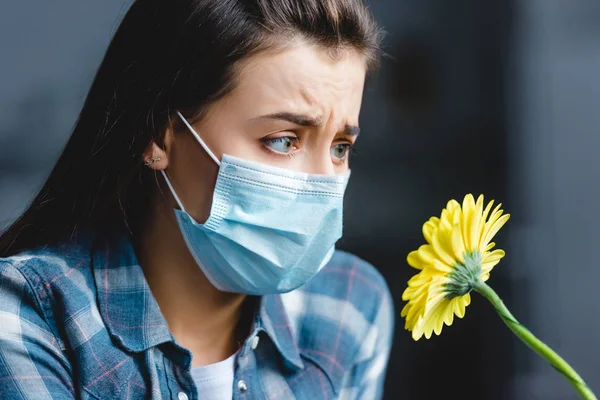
(155,158)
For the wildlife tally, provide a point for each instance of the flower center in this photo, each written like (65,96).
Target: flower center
(465,276)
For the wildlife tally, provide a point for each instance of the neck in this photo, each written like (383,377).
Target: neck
(208,322)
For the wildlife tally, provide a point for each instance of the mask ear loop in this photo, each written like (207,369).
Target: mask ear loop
(179,203)
(199,139)
(204,146)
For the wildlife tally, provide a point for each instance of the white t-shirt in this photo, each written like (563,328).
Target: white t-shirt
(215,381)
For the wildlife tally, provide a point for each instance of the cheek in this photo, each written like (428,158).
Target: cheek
(240,144)
(193,174)
(243,144)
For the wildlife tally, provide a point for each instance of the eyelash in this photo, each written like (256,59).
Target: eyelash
(349,147)
(265,142)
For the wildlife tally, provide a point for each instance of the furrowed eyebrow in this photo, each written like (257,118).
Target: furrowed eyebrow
(298,119)
(308,121)
(352,130)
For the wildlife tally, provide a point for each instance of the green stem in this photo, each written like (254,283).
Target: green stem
(534,343)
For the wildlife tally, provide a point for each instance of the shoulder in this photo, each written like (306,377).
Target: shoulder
(344,312)
(346,273)
(49,282)
(43,268)
(353,284)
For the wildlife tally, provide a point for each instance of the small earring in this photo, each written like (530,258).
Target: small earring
(151,160)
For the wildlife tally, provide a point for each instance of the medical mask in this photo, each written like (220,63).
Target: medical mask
(270,230)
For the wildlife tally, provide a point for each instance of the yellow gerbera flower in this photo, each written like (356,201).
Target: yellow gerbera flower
(457,256)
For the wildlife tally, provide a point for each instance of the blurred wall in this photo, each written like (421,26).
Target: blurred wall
(49,51)
(496,97)
(555,186)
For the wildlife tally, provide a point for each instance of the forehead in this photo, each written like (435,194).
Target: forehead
(303,76)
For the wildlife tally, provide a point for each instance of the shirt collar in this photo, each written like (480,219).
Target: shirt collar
(275,321)
(133,317)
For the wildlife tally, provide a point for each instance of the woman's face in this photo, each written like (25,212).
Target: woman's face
(297,108)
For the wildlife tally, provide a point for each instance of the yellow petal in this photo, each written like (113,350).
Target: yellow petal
(483,224)
(405,309)
(429,227)
(458,306)
(454,212)
(452,206)
(442,267)
(457,244)
(414,260)
(442,247)
(438,323)
(463,302)
(498,206)
(474,227)
(489,260)
(434,315)
(417,333)
(449,313)
(489,247)
(427,254)
(491,220)
(491,232)
(446,221)
(416,294)
(466,217)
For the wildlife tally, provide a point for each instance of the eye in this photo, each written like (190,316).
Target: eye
(340,151)
(283,145)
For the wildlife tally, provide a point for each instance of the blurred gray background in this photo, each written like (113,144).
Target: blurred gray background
(500,97)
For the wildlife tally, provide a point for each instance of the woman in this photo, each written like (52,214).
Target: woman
(183,245)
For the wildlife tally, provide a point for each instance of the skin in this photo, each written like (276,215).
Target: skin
(251,122)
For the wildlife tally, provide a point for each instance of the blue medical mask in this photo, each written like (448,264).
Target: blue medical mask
(270,230)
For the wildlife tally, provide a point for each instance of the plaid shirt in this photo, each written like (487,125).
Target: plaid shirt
(79,321)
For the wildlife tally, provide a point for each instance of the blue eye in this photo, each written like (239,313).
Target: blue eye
(282,145)
(340,151)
